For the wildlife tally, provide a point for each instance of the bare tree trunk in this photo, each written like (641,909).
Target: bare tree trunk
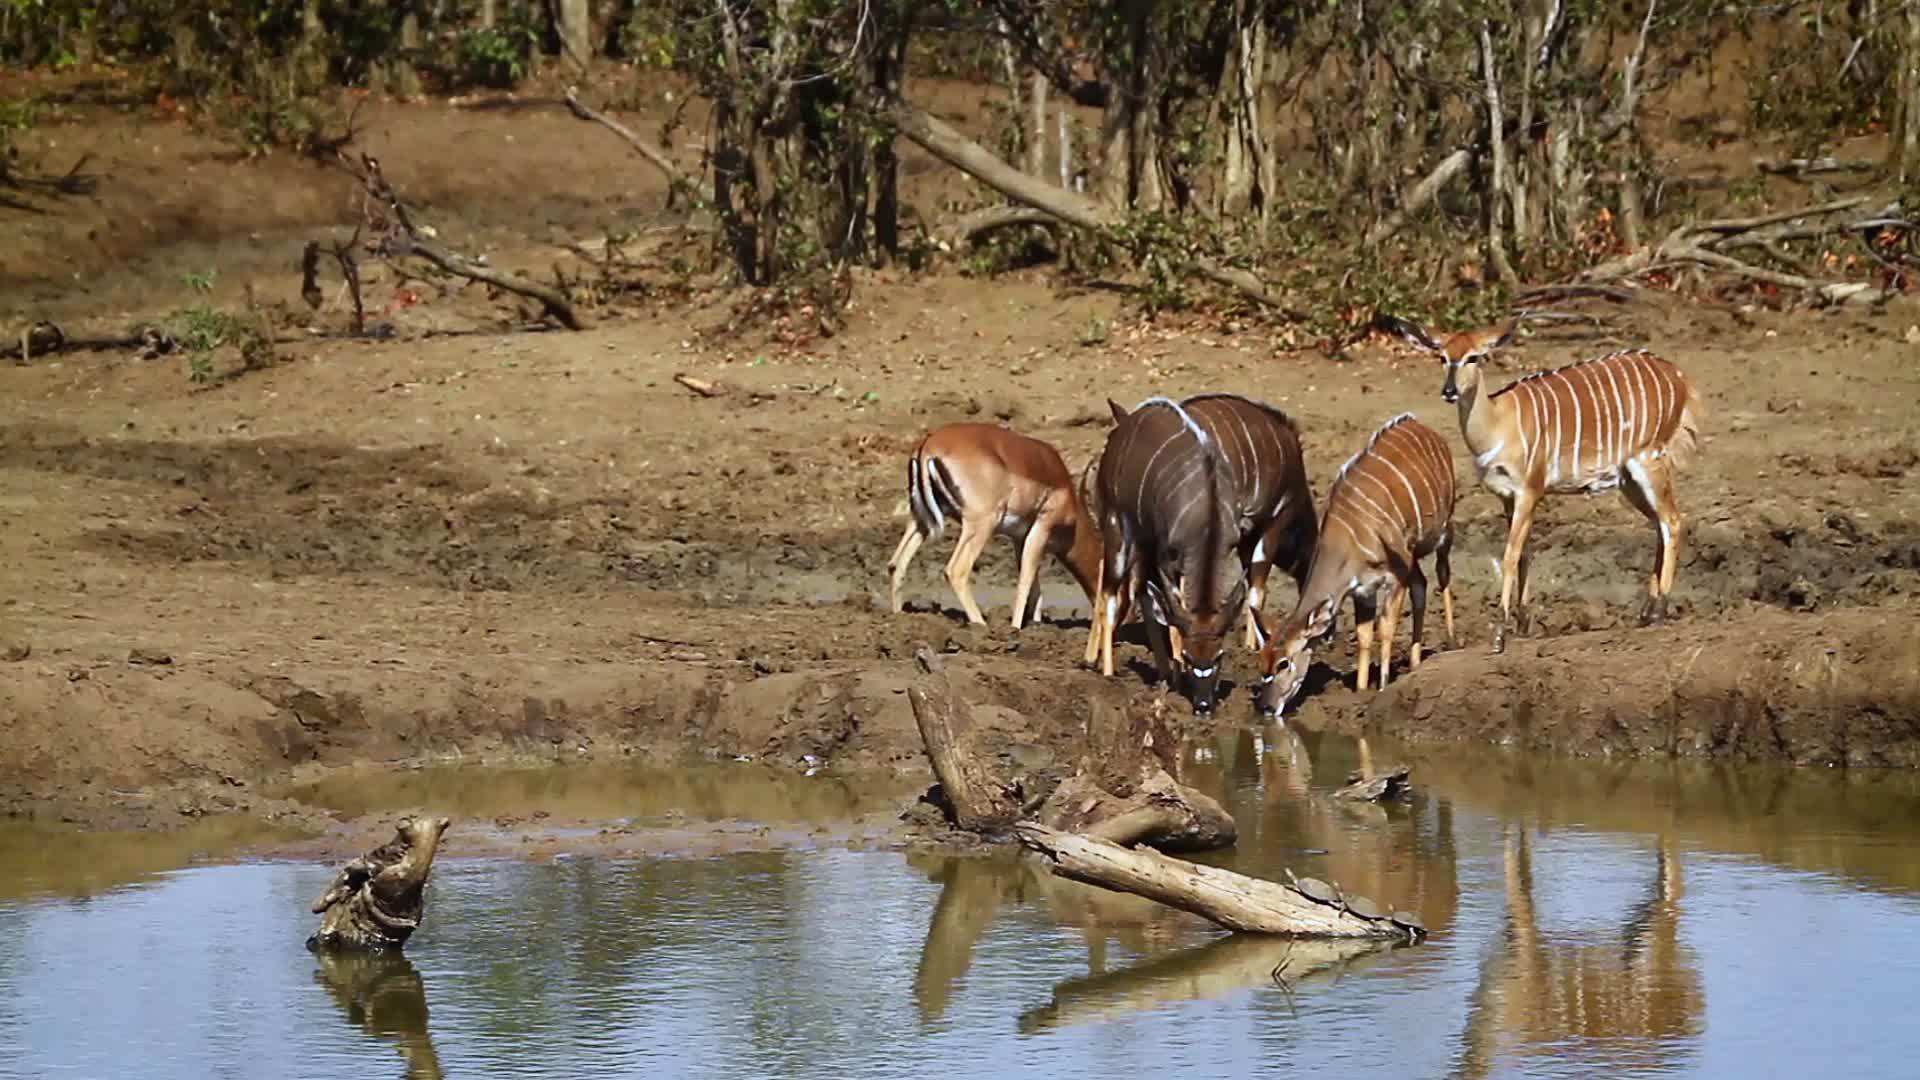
(310,63)
(406,79)
(1037,125)
(1066,147)
(1497,149)
(1243,184)
(1906,135)
(1627,122)
(574,22)
(489,13)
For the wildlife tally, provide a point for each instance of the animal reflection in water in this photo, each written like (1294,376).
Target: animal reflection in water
(383,995)
(1539,996)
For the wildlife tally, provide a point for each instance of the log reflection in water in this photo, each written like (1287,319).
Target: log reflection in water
(383,995)
(1217,969)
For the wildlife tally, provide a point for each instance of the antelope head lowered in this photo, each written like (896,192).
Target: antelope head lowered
(1166,514)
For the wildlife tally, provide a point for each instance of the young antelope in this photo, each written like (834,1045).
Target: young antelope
(1390,506)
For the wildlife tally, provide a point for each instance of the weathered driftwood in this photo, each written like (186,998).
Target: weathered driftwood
(1217,969)
(376,900)
(1234,901)
(383,995)
(976,799)
(1124,793)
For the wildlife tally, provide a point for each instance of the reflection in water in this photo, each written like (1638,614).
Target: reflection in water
(1587,919)
(383,995)
(1226,965)
(605,791)
(972,892)
(1637,993)
(65,861)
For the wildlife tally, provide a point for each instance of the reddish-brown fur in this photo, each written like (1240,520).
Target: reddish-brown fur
(997,482)
(1628,419)
(1390,506)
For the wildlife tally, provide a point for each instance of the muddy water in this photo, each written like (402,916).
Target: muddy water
(1587,920)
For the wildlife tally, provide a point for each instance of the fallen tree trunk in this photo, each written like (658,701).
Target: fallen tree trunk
(941,140)
(1231,900)
(376,901)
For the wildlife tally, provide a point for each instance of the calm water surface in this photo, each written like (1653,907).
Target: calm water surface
(1634,920)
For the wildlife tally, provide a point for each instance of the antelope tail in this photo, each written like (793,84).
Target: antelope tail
(931,494)
(1686,436)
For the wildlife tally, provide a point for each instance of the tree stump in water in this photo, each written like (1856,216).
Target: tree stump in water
(376,900)
(1123,792)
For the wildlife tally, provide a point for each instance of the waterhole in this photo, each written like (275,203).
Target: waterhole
(1587,920)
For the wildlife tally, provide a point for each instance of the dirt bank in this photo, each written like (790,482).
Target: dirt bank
(540,544)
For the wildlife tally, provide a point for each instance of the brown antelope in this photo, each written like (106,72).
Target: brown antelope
(997,483)
(1627,419)
(1390,506)
(1198,501)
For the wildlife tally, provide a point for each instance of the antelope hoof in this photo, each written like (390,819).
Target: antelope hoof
(1653,611)
(1500,639)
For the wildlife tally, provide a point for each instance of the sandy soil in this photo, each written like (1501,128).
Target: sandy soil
(539,545)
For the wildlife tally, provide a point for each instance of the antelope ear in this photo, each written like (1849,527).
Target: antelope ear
(1405,329)
(1119,411)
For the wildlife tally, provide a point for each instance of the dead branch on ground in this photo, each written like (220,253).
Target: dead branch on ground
(1708,245)
(395,236)
(678,182)
(349,273)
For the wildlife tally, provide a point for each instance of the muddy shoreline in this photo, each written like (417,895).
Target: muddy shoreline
(541,546)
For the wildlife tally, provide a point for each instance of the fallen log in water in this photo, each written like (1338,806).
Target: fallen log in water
(376,900)
(1234,901)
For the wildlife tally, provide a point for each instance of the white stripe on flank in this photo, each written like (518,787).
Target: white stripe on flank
(1578,425)
(1487,457)
(1611,427)
(1408,484)
(1638,399)
(1553,385)
(1140,495)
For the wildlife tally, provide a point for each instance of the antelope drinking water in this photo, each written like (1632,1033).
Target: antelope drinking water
(1198,500)
(997,483)
(1390,506)
(1627,420)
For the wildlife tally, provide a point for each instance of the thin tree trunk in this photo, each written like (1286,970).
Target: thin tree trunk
(574,22)
(1066,147)
(1037,125)
(1497,149)
(406,80)
(1906,135)
(489,13)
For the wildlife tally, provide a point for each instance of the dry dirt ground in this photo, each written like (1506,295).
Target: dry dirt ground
(505,544)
